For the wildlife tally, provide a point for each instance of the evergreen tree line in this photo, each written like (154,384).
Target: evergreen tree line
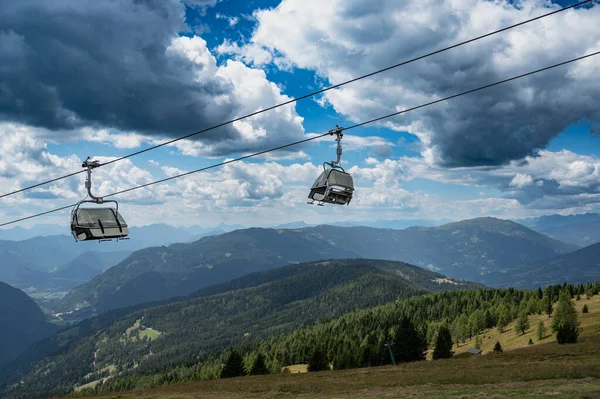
(358,339)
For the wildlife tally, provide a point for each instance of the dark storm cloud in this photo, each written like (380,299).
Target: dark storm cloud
(66,64)
(491,127)
(497,125)
(508,122)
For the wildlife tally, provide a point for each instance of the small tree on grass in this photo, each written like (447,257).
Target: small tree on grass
(443,344)
(258,366)
(589,294)
(234,367)
(318,361)
(530,342)
(498,347)
(585,309)
(565,323)
(522,323)
(541,330)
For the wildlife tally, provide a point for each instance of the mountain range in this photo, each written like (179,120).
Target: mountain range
(578,267)
(467,250)
(241,311)
(27,255)
(56,263)
(162,234)
(581,230)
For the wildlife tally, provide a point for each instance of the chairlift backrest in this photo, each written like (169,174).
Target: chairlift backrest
(90,217)
(340,178)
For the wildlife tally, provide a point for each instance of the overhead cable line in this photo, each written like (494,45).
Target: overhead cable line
(305,96)
(320,135)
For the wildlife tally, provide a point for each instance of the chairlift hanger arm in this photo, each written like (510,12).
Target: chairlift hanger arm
(338,132)
(89,165)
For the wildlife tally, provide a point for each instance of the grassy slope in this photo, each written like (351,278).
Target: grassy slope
(509,339)
(544,369)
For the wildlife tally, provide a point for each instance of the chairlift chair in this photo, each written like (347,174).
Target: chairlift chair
(97,223)
(334,185)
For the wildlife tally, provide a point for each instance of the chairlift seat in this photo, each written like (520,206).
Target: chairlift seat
(97,224)
(333,186)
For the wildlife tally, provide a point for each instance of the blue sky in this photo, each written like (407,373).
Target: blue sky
(171,68)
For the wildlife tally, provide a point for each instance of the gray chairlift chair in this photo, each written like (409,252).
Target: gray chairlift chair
(101,224)
(334,185)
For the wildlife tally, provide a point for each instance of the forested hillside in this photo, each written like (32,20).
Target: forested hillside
(468,250)
(358,339)
(22,323)
(239,312)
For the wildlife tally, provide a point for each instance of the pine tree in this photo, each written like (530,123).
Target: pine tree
(541,331)
(462,325)
(585,309)
(234,367)
(343,359)
(318,361)
(489,319)
(443,344)
(548,305)
(497,347)
(478,322)
(275,367)
(258,366)
(410,344)
(565,322)
(503,318)
(522,323)
(530,342)
(478,342)
(533,305)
